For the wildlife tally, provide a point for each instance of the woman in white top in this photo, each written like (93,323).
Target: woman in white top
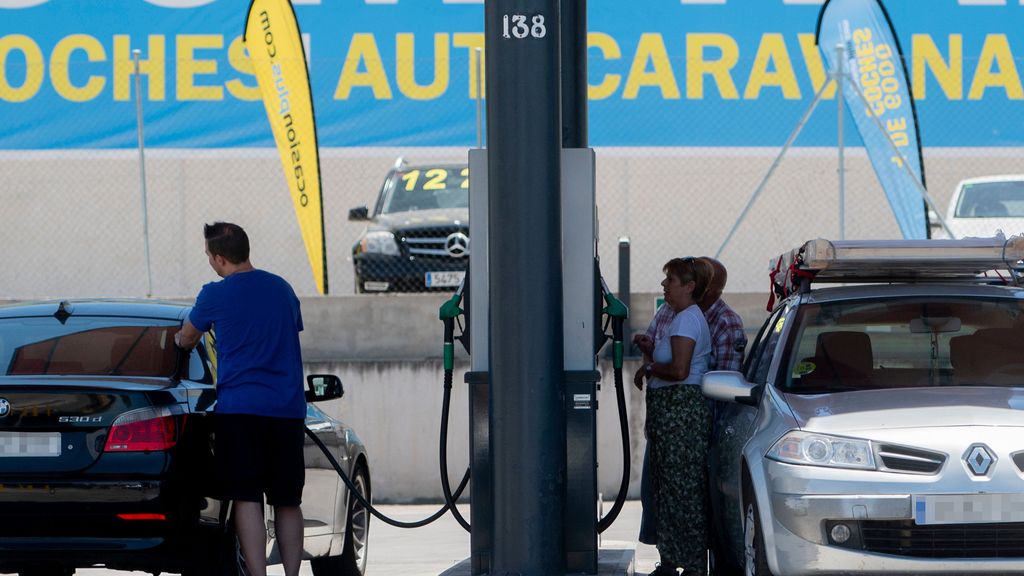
(678,420)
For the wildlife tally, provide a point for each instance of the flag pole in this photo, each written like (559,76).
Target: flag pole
(136,53)
(840,99)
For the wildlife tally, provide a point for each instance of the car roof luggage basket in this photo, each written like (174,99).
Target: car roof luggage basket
(885,261)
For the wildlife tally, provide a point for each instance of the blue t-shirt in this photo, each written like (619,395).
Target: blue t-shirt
(259,363)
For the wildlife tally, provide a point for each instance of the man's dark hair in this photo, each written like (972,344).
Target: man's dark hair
(227,240)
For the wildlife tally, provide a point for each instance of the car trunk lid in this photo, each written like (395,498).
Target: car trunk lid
(60,425)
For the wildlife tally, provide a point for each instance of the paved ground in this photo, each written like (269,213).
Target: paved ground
(439,546)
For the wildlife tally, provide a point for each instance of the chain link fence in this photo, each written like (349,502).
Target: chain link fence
(73,223)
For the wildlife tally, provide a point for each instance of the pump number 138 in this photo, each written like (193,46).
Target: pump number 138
(515,26)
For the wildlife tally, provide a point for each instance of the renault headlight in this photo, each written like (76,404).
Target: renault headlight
(379,242)
(811,449)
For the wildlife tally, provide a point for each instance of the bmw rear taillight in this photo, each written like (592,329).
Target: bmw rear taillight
(146,429)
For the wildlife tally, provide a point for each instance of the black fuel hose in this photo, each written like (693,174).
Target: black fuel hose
(617,313)
(355,492)
(620,498)
(450,499)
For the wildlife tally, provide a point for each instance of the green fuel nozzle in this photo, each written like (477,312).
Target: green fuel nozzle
(617,312)
(448,313)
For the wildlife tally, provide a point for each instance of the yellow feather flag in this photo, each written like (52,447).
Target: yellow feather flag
(274,44)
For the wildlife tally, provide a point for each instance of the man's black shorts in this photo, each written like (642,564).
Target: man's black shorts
(259,455)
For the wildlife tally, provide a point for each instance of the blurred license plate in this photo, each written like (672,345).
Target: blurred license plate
(445,279)
(29,444)
(968,508)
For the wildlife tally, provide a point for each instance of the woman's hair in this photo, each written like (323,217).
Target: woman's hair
(697,269)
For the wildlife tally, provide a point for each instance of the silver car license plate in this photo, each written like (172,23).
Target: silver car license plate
(29,444)
(444,279)
(968,508)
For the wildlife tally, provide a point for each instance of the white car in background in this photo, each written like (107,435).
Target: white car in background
(981,207)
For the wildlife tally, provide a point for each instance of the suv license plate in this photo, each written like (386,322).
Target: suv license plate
(444,279)
(29,444)
(968,508)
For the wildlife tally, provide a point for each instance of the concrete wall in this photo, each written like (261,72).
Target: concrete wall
(405,327)
(395,408)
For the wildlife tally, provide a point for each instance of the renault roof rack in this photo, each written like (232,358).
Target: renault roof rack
(882,261)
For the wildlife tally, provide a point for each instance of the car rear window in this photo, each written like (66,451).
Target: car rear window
(426,188)
(992,200)
(905,343)
(88,346)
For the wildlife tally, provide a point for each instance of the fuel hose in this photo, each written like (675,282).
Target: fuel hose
(448,313)
(617,314)
(362,500)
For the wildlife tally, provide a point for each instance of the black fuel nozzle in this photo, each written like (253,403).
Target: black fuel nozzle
(617,312)
(448,313)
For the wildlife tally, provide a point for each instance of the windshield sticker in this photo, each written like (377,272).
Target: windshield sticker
(433,179)
(803,368)
(780,324)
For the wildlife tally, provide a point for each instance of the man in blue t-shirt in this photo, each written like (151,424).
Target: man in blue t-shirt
(261,404)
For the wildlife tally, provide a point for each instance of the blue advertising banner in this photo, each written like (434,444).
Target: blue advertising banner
(878,97)
(403,72)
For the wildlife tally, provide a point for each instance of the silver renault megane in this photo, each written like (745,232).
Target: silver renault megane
(877,427)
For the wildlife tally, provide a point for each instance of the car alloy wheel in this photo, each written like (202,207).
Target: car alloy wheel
(754,562)
(359,522)
(352,561)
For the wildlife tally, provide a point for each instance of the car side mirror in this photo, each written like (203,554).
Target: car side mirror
(359,214)
(323,387)
(729,386)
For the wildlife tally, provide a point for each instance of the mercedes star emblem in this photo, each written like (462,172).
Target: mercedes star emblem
(457,244)
(979,459)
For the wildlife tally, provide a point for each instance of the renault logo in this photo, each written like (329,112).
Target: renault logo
(457,244)
(5,407)
(979,459)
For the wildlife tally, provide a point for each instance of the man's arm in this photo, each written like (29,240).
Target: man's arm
(188,336)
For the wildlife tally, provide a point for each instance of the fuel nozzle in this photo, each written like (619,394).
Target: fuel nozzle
(617,312)
(448,313)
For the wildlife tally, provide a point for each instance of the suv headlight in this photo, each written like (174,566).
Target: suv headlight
(379,242)
(806,448)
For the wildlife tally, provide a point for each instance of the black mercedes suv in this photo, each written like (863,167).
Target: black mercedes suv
(417,238)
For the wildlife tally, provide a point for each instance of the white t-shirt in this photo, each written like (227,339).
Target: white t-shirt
(689,323)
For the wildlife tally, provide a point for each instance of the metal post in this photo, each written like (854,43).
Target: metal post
(574,73)
(136,53)
(624,287)
(840,99)
(581,296)
(481,540)
(527,429)
(479,98)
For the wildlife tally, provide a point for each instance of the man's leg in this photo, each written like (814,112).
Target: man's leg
(288,529)
(252,535)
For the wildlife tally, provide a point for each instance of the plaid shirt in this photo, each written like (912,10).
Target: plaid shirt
(727,337)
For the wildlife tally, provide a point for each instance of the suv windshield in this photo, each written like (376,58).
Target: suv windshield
(991,200)
(427,189)
(904,343)
(88,346)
